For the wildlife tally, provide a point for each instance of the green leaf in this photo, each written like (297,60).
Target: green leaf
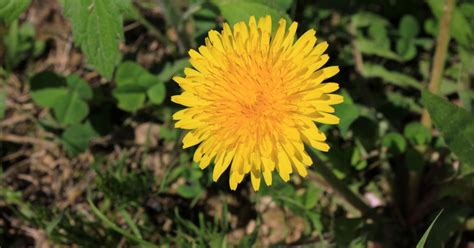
(395,142)
(3,104)
(417,133)
(20,43)
(79,85)
(365,19)
(316,221)
(421,243)
(132,73)
(455,124)
(10,10)
(378,33)
(348,112)
(168,134)
(392,77)
(76,138)
(188,191)
(70,109)
(424,43)
(311,196)
(408,27)
(240,10)
(449,222)
(157,93)
(282,5)
(431,27)
(403,101)
(406,48)
(130,97)
(371,47)
(172,69)
(133,84)
(97,28)
(46,87)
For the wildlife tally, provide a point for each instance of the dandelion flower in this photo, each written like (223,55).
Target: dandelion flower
(252,99)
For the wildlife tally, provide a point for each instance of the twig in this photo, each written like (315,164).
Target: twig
(25,139)
(437,70)
(135,13)
(439,58)
(153,30)
(13,120)
(358,60)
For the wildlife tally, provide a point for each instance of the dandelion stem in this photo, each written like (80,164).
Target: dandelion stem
(341,188)
(439,58)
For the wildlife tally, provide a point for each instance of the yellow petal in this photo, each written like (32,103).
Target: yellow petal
(319,49)
(327,118)
(279,35)
(290,36)
(215,38)
(328,87)
(284,165)
(187,99)
(255,181)
(267,175)
(219,168)
(300,167)
(330,71)
(198,154)
(233,181)
(190,140)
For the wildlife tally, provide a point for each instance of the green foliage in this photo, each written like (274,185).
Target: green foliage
(46,87)
(98,29)
(20,44)
(408,27)
(450,220)
(76,138)
(348,112)
(461,29)
(363,19)
(408,30)
(134,84)
(237,10)
(71,108)
(421,243)
(67,97)
(456,125)
(417,134)
(3,104)
(392,77)
(124,189)
(11,10)
(395,142)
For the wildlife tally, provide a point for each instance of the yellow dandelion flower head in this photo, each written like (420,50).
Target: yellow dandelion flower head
(252,99)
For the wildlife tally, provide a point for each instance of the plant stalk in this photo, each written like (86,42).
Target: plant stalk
(439,57)
(342,189)
(339,187)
